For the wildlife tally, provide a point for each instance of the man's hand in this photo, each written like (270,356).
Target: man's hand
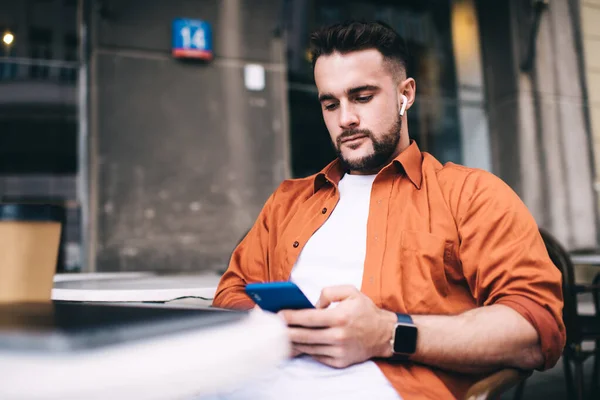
(351,332)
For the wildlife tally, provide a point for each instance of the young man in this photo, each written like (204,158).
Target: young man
(445,261)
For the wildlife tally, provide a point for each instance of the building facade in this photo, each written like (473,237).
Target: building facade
(175,158)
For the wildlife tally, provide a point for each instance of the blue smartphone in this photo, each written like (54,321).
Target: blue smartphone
(277,296)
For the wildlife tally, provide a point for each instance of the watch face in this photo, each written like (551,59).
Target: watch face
(405,339)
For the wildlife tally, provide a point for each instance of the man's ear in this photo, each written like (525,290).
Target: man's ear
(407,88)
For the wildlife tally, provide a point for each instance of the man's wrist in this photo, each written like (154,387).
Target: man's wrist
(388,325)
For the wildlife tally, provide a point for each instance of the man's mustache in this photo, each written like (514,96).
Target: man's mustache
(353,132)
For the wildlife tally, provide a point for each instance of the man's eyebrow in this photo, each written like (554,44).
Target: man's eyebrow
(328,96)
(362,88)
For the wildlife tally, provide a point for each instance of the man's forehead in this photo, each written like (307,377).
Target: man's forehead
(339,72)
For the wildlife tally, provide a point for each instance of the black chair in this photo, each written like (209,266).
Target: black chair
(596,371)
(493,386)
(579,328)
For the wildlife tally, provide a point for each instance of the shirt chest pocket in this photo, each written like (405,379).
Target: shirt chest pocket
(423,273)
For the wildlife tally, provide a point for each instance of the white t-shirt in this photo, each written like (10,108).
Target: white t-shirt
(334,255)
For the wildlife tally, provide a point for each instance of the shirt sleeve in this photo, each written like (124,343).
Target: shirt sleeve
(248,264)
(505,261)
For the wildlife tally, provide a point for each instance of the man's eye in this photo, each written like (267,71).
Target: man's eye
(364,99)
(330,107)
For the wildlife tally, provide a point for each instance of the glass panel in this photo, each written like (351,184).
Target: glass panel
(426,26)
(38,110)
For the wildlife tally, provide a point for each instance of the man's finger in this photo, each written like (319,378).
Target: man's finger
(308,318)
(318,350)
(295,352)
(310,336)
(335,294)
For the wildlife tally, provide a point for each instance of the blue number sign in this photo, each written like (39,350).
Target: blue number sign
(192,38)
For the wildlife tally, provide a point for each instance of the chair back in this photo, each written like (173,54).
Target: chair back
(561,259)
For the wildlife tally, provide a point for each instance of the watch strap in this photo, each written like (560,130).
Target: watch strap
(404,319)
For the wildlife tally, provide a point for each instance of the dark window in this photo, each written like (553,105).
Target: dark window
(40,50)
(68,73)
(425,25)
(40,145)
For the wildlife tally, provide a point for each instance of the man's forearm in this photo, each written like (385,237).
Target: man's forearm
(233,297)
(478,341)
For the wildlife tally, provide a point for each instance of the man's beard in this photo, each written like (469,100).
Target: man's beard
(383,148)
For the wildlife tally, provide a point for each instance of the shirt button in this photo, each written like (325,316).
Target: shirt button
(378,201)
(324,211)
(296,244)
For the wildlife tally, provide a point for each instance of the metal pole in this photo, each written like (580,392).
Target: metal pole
(83,189)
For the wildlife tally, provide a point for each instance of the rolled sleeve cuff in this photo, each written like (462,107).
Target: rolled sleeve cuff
(237,302)
(552,335)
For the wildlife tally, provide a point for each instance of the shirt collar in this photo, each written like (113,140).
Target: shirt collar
(410,161)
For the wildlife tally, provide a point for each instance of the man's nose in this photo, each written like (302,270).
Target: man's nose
(348,118)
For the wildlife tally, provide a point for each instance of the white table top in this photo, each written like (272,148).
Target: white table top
(70,277)
(173,367)
(134,287)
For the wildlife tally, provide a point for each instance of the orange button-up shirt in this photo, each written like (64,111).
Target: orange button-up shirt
(441,240)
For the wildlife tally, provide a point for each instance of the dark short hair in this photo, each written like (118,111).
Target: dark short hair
(352,36)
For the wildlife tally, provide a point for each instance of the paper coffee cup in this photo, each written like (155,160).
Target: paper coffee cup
(29,245)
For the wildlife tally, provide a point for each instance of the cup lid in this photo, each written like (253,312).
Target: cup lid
(31,212)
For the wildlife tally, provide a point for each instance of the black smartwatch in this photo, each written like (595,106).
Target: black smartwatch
(404,338)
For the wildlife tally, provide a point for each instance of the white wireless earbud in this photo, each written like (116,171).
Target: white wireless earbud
(404,102)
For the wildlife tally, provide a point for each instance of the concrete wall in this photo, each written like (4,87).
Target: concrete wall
(538,123)
(183,156)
